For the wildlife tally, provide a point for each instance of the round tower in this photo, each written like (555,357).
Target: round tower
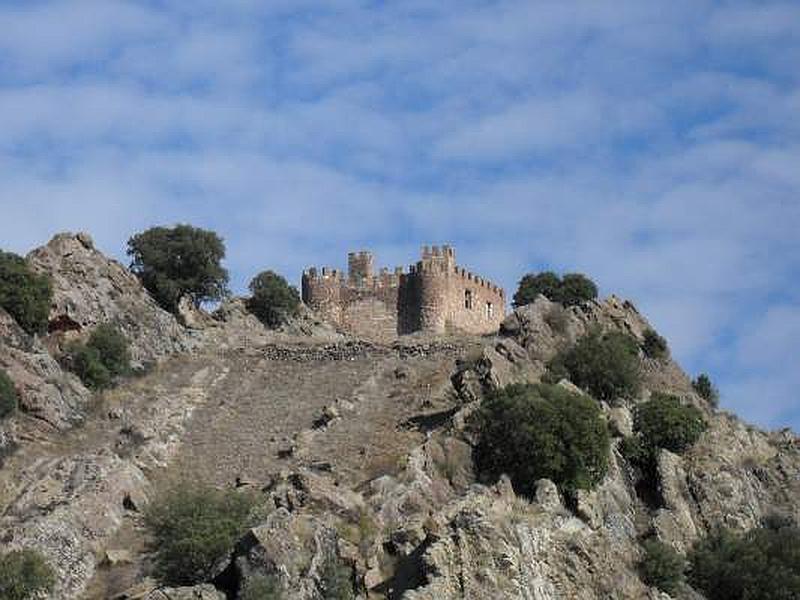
(322,293)
(433,278)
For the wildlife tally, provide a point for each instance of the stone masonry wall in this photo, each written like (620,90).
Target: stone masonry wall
(436,296)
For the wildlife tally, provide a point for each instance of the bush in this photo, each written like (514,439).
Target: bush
(705,389)
(571,290)
(762,564)
(194,527)
(104,357)
(24,295)
(654,346)
(535,431)
(177,262)
(273,299)
(604,364)
(337,581)
(24,574)
(261,587)
(662,566)
(665,422)
(8,395)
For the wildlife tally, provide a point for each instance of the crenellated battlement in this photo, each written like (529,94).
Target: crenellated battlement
(324,274)
(433,295)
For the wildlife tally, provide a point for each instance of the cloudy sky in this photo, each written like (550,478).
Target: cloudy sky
(653,145)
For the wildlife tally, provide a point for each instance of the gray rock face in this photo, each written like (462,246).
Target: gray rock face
(89,289)
(46,392)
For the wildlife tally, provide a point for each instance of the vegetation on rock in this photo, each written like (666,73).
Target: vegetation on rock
(179,261)
(666,422)
(570,290)
(336,581)
(193,528)
(102,358)
(8,395)
(705,389)
(24,294)
(273,300)
(24,574)
(261,587)
(539,431)
(654,345)
(604,364)
(662,566)
(761,564)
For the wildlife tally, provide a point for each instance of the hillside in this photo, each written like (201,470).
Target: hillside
(356,450)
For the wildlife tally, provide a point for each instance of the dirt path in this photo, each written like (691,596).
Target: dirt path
(254,408)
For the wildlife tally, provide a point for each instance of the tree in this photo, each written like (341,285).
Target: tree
(571,290)
(665,422)
(24,574)
(761,564)
(193,528)
(102,358)
(273,299)
(654,346)
(576,289)
(24,294)
(706,389)
(535,431)
(546,283)
(661,566)
(8,395)
(604,364)
(179,261)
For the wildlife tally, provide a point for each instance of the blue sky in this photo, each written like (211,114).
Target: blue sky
(652,145)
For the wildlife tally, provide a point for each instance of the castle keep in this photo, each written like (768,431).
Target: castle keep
(435,295)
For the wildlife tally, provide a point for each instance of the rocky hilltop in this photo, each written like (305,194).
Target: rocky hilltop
(356,449)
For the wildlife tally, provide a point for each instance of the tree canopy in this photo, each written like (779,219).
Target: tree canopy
(179,261)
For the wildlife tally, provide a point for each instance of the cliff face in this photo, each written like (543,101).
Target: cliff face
(358,450)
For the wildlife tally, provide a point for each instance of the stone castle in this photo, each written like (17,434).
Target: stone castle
(435,296)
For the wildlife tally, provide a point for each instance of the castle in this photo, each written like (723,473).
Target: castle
(436,296)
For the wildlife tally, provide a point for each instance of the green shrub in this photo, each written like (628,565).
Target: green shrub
(102,358)
(665,422)
(112,347)
(24,574)
(762,564)
(179,261)
(654,346)
(24,295)
(194,527)
(604,364)
(662,566)
(535,431)
(8,395)
(337,581)
(576,289)
(705,389)
(273,299)
(261,587)
(571,290)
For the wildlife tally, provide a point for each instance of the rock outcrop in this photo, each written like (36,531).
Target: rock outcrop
(89,289)
(46,392)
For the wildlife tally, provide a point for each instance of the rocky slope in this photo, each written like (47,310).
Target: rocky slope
(358,451)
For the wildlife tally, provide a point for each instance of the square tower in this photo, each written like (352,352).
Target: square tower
(360,268)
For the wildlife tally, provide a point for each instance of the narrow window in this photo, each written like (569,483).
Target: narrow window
(489,310)
(468,299)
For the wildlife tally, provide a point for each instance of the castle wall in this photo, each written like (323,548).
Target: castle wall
(474,304)
(435,296)
(371,313)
